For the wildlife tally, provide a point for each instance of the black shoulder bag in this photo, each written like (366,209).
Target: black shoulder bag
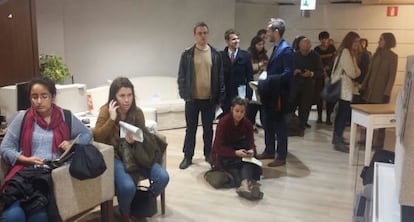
(331,92)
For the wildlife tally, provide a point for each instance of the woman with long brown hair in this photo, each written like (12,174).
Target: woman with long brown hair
(121,106)
(345,69)
(259,62)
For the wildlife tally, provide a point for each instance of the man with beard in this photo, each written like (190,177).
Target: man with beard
(275,92)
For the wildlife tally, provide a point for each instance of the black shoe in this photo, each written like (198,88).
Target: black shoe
(328,122)
(339,140)
(307,125)
(207,159)
(185,163)
(319,120)
(341,148)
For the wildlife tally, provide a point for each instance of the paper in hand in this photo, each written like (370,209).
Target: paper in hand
(137,133)
(218,112)
(252,160)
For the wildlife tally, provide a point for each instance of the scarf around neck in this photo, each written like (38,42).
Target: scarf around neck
(57,125)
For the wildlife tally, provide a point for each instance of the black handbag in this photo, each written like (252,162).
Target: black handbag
(331,92)
(87,162)
(144,203)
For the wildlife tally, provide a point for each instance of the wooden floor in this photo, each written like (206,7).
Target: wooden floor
(317,184)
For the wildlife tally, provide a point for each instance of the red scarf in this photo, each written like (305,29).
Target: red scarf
(57,124)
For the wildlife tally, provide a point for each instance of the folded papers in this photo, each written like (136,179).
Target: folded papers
(137,133)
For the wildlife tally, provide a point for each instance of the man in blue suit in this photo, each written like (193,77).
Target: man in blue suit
(276,91)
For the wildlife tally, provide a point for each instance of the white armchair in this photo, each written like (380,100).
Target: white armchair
(75,197)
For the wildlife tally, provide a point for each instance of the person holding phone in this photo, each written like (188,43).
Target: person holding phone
(234,140)
(307,68)
(121,106)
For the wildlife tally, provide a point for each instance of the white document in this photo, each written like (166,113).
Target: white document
(254,86)
(137,133)
(242,91)
(252,160)
(219,111)
(263,75)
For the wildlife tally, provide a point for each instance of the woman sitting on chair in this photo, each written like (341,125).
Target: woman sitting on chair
(233,141)
(121,107)
(37,134)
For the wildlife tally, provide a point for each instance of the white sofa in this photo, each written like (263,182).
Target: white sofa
(158,92)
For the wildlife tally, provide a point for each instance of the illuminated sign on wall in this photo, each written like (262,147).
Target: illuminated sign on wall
(307,4)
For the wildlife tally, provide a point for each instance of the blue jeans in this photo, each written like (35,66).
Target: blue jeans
(342,117)
(15,213)
(125,185)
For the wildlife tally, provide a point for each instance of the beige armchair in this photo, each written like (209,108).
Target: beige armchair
(75,197)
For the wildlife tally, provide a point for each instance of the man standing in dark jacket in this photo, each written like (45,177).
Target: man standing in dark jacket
(308,67)
(238,70)
(275,92)
(201,85)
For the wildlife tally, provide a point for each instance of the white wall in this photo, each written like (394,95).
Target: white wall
(50,27)
(103,39)
(252,17)
(367,20)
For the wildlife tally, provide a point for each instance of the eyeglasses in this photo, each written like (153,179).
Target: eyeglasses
(42,97)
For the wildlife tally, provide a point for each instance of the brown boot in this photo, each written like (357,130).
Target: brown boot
(277,162)
(256,194)
(264,155)
(244,189)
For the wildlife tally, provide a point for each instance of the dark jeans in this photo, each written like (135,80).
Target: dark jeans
(342,117)
(303,98)
(252,109)
(239,169)
(329,109)
(274,125)
(192,110)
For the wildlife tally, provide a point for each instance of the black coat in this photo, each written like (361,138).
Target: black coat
(240,72)
(34,188)
(186,76)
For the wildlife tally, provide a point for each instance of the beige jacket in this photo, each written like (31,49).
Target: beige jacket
(346,70)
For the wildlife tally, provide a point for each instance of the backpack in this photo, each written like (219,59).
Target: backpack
(367,174)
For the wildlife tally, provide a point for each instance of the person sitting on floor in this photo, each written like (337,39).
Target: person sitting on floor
(234,140)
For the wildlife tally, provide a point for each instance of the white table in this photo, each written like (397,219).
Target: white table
(370,116)
(386,207)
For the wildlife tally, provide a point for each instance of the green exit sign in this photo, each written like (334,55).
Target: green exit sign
(307,4)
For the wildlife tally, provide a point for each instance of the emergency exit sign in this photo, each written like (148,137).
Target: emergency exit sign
(307,4)
(392,11)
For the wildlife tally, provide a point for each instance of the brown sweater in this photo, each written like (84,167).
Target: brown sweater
(107,131)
